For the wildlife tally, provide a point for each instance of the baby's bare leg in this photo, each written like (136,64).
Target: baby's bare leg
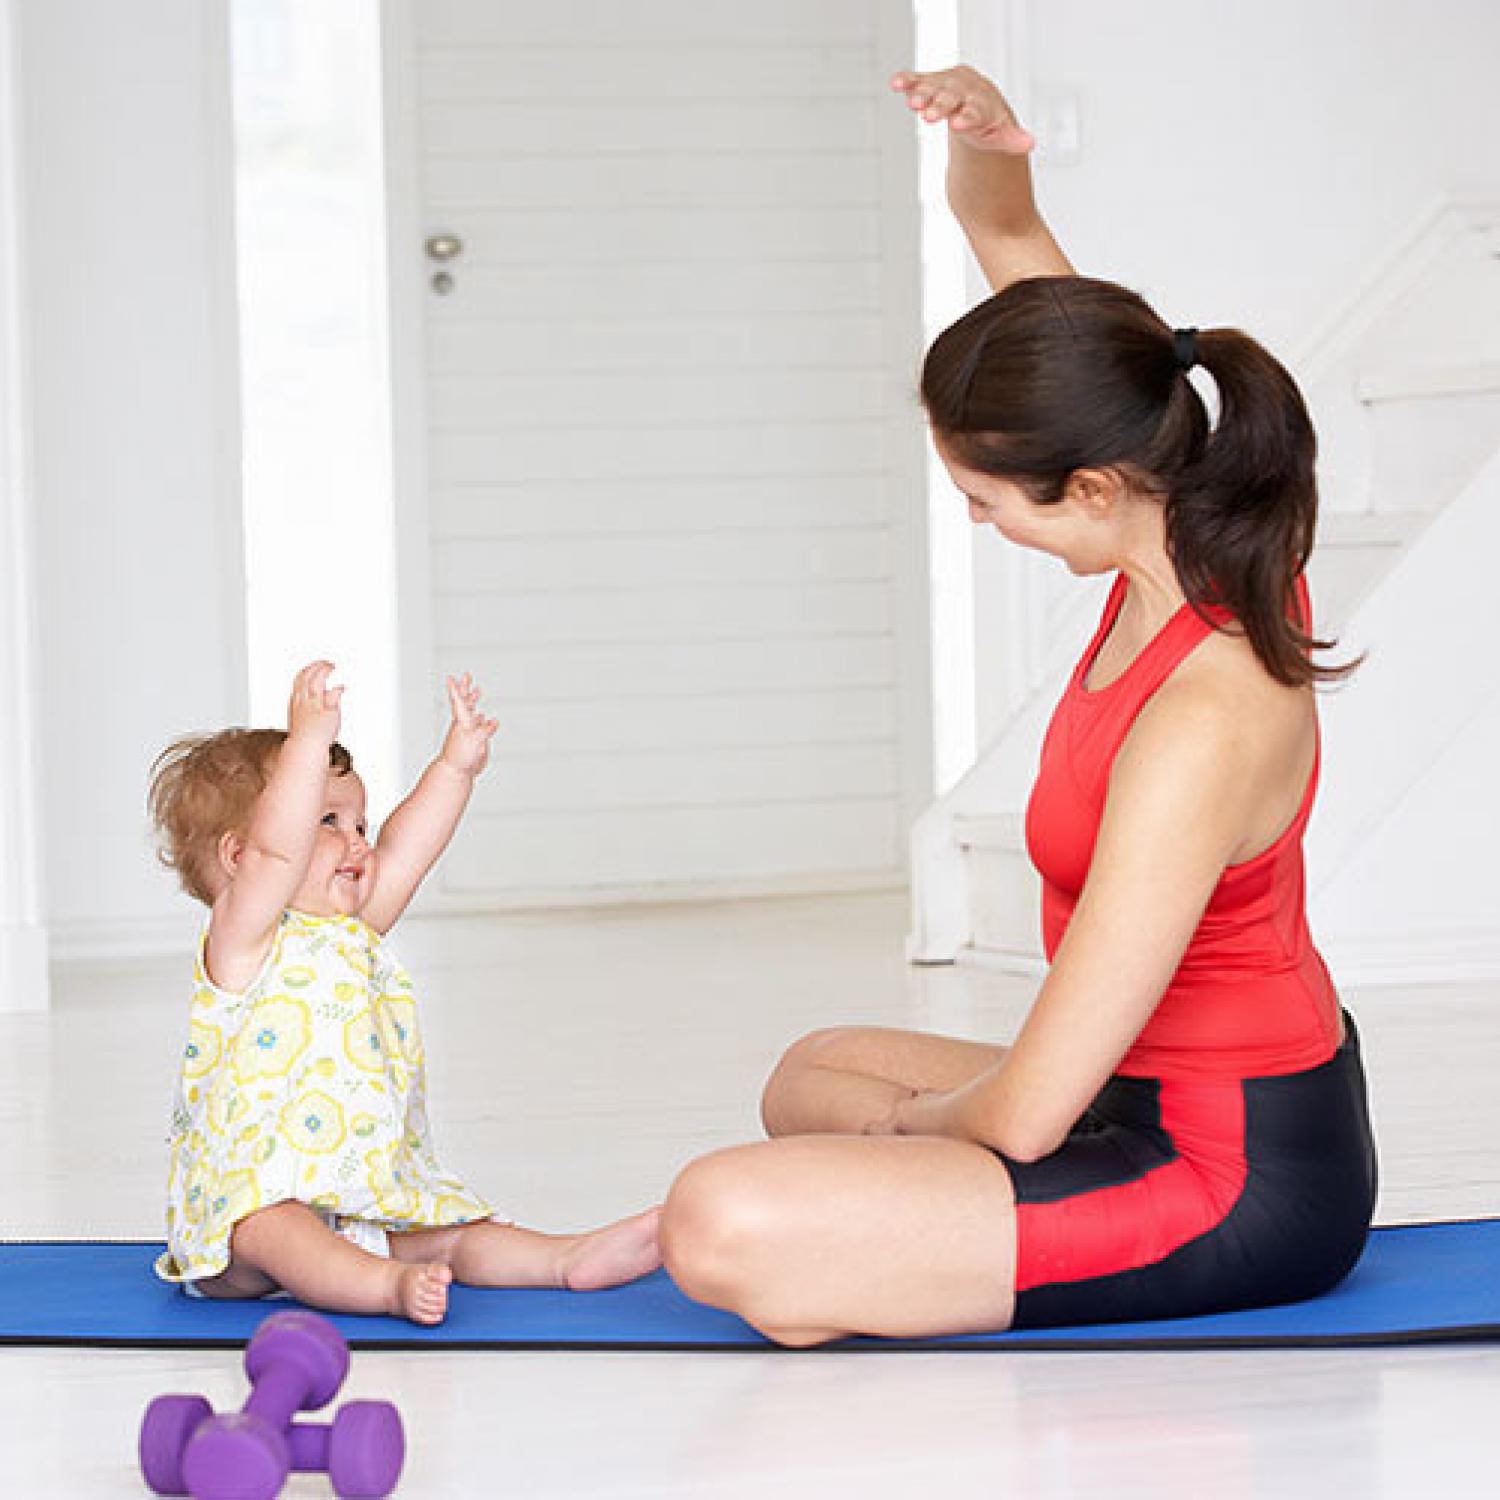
(289,1246)
(491,1254)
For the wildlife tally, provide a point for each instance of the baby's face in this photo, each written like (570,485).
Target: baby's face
(341,872)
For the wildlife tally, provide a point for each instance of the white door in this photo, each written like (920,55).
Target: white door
(658,269)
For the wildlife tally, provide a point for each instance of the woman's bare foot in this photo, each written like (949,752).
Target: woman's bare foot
(612,1255)
(420,1291)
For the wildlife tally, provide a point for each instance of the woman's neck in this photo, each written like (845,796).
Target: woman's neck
(1153,594)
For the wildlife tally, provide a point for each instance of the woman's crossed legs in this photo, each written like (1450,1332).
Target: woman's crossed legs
(813,1236)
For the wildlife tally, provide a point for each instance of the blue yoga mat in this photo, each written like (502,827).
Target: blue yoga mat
(1415,1284)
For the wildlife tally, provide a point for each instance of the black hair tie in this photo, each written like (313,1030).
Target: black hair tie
(1185,347)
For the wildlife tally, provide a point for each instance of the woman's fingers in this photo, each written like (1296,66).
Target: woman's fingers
(945,102)
(972,106)
(967,116)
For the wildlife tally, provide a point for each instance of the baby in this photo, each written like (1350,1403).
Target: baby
(301,1155)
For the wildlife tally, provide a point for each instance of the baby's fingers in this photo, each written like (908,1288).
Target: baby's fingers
(311,679)
(463,697)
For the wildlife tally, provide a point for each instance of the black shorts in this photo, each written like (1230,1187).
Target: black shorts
(1175,1198)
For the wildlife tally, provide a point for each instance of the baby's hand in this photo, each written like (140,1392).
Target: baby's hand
(313,712)
(973,107)
(467,747)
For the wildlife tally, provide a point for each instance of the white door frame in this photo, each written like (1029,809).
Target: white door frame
(23,933)
(408,406)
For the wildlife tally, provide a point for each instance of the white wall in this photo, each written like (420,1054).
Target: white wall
(1401,871)
(1245,163)
(128,242)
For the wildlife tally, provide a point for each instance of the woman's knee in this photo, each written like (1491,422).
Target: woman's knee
(822,1048)
(828,1046)
(713,1224)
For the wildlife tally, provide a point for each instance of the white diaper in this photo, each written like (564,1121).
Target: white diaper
(361,1232)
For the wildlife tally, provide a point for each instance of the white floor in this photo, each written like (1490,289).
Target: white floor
(577,1061)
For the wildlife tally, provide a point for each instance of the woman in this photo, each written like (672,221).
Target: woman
(1180,1125)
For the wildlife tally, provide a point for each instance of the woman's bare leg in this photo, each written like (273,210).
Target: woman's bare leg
(491,1254)
(817,1237)
(290,1247)
(847,1078)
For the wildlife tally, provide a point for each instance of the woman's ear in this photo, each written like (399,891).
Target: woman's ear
(1095,491)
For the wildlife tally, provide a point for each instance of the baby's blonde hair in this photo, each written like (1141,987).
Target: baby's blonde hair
(206,786)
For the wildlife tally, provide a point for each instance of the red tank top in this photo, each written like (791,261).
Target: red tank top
(1252,995)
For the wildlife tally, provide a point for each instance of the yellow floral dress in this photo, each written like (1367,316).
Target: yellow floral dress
(310,1086)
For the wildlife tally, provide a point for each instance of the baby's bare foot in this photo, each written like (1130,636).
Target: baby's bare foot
(612,1255)
(421,1292)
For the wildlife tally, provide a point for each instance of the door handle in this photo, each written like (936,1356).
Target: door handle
(443,247)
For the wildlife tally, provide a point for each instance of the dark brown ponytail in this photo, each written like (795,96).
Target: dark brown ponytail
(1061,373)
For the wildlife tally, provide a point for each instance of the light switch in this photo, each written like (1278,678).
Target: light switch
(1055,124)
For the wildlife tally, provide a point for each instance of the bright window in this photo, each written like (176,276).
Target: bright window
(319,535)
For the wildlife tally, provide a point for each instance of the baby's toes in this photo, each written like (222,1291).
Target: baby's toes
(424,1291)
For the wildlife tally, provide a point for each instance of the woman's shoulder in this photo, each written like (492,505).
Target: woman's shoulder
(1222,689)
(1222,718)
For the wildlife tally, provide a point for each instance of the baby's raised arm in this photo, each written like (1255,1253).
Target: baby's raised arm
(270,864)
(419,830)
(989,175)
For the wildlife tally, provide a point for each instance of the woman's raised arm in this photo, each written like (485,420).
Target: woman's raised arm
(989,175)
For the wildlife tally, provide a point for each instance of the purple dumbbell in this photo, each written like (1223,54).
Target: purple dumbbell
(361,1450)
(296,1362)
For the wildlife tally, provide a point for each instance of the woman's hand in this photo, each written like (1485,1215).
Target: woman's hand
(976,111)
(467,747)
(313,712)
(989,174)
(931,1113)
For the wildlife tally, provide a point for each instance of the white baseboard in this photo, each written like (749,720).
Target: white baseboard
(158,937)
(147,937)
(1028,965)
(24,983)
(436,902)
(1415,959)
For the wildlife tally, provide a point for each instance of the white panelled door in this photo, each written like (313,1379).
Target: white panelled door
(662,270)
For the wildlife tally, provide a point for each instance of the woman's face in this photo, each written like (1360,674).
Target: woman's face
(1003,504)
(1082,527)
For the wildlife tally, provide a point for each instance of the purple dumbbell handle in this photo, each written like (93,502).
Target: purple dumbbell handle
(309,1444)
(279,1393)
(362,1450)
